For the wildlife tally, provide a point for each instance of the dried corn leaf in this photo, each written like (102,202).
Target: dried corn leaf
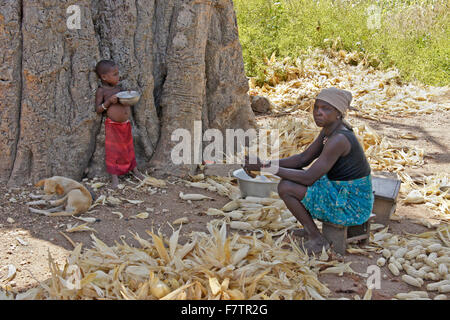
(21,241)
(151,181)
(142,215)
(198,177)
(98,185)
(339,269)
(79,228)
(86,219)
(181,220)
(134,201)
(11,272)
(215,286)
(114,201)
(122,272)
(119,214)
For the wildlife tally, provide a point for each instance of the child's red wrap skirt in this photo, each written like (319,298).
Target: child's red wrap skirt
(119,149)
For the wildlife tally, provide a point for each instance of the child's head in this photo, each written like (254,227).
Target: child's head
(108,72)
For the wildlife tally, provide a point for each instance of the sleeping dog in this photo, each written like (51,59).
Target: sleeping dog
(76,199)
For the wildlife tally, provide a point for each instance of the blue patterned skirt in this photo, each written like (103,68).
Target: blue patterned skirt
(346,203)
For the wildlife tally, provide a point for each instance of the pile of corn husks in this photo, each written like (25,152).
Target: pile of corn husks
(298,132)
(417,258)
(217,265)
(375,92)
(209,266)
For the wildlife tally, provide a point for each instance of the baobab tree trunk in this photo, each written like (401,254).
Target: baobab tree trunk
(183,56)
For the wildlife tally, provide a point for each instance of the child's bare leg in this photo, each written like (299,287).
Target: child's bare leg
(138,174)
(114,180)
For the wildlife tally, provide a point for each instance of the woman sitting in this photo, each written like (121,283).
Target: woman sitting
(337,187)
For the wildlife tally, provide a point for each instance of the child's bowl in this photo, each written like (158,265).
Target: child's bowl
(128,98)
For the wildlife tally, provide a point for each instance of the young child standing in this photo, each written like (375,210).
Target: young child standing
(119,149)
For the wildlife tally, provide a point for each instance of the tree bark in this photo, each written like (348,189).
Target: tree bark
(183,56)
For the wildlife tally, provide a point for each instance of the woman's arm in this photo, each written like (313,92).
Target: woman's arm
(334,148)
(305,158)
(297,161)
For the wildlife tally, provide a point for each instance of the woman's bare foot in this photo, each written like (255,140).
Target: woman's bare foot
(138,174)
(114,181)
(315,245)
(300,233)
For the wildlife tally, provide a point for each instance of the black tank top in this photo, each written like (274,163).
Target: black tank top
(352,166)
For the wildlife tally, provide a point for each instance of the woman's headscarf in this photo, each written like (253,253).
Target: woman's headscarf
(338,98)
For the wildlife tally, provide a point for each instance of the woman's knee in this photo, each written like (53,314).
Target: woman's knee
(289,188)
(283,187)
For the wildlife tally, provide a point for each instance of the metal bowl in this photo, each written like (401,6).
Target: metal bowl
(128,98)
(254,187)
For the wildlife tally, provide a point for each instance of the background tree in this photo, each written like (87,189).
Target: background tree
(183,56)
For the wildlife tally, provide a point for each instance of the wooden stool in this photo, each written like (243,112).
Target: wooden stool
(385,190)
(339,236)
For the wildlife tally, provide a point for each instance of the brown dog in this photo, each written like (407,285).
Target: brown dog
(76,199)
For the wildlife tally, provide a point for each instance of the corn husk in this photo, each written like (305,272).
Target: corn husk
(100,201)
(86,219)
(113,200)
(239,225)
(78,228)
(97,185)
(12,271)
(117,213)
(142,215)
(134,201)
(198,177)
(340,269)
(151,181)
(181,221)
(21,241)
(208,266)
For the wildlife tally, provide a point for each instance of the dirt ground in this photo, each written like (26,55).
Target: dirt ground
(26,240)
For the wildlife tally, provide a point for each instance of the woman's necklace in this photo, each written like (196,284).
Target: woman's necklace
(325,139)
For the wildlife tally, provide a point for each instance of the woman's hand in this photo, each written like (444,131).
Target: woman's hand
(248,167)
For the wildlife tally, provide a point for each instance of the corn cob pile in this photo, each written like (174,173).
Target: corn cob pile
(249,214)
(375,92)
(257,214)
(417,258)
(433,191)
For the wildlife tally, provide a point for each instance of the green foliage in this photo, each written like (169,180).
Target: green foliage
(412,35)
